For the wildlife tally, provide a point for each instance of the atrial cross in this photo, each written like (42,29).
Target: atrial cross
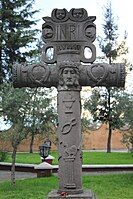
(69,34)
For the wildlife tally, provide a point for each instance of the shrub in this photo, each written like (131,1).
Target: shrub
(3,156)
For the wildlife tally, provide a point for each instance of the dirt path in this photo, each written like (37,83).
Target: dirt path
(5,175)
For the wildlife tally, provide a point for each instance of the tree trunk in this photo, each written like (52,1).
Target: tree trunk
(13,165)
(110,128)
(31,143)
(1,64)
(109,139)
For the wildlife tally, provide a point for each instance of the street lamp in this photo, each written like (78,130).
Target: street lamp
(44,150)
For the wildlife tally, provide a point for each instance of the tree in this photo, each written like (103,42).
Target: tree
(13,108)
(29,111)
(128,121)
(41,113)
(17,34)
(105,103)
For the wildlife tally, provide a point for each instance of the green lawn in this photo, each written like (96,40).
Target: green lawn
(88,158)
(115,186)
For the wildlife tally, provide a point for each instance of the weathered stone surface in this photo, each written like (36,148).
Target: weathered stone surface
(87,194)
(43,165)
(43,170)
(69,34)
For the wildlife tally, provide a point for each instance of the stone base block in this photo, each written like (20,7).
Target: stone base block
(87,194)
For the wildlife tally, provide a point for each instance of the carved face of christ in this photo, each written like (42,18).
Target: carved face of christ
(69,76)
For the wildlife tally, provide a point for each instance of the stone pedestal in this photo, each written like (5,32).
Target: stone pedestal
(43,170)
(87,194)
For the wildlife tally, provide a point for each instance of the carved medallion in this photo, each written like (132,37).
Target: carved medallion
(39,73)
(59,15)
(97,73)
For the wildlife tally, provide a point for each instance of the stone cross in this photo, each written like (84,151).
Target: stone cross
(69,34)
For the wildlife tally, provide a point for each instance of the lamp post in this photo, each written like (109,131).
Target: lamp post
(44,150)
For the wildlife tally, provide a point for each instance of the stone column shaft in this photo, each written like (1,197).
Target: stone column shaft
(69,136)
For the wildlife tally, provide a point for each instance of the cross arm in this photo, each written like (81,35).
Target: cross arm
(102,74)
(34,75)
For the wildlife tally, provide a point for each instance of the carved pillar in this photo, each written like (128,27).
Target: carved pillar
(69,135)
(69,124)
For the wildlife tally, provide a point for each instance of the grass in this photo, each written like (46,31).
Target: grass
(107,158)
(88,158)
(114,186)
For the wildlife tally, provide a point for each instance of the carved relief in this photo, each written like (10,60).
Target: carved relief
(68,76)
(59,15)
(47,32)
(78,14)
(122,75)
(39,74)
(68,126)
(70,184)
(70,153)
(76,48)
(90,31)
(68,102)
(69,32)
(20,74)
(97,73)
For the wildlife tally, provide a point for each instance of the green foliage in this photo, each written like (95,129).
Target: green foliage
(13,103)
(128,120)
(28,110)
(3,155)
(108,105)
(101,110)
(108,43)
(40,110)
(33,108)
(128,140)
(129,111)
(17,34)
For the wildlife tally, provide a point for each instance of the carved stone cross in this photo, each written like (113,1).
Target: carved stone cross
(69,34)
